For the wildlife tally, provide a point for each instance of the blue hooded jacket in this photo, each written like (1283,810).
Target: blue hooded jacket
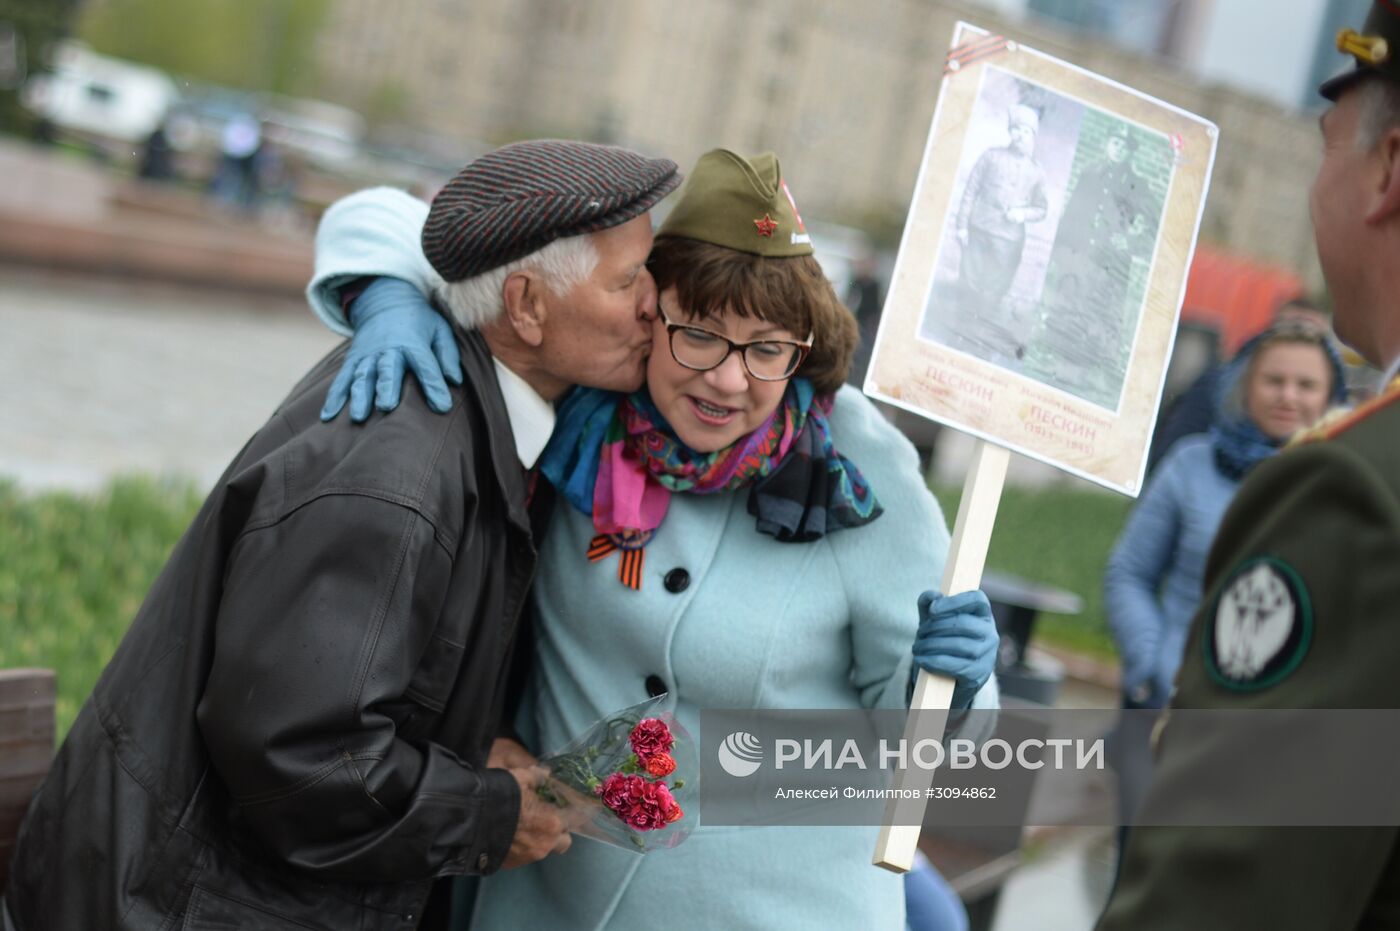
(1153,582)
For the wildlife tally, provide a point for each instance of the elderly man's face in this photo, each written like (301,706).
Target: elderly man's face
(599,333)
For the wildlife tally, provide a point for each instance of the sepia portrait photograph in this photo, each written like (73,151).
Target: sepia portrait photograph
(1047,248)
(1042,270)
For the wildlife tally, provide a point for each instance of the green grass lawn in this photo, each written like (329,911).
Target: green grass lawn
(74,569)
(1060,536)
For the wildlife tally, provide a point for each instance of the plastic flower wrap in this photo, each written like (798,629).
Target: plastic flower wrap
(628,779)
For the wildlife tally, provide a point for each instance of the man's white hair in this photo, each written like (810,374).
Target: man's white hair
(562,264)
(1379,111)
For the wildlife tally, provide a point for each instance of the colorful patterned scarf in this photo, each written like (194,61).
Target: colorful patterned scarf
(614,457)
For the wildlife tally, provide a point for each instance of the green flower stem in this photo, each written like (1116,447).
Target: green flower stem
(576,769)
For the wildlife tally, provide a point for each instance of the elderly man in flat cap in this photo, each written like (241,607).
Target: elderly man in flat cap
(295,731)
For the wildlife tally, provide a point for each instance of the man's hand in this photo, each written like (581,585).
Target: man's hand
(1016,214)
(540,830)
(962,235)
(509,754)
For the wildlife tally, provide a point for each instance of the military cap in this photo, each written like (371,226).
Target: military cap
(1376,48)
(1022,115)
(1119,130)
(741,204)
(521,197)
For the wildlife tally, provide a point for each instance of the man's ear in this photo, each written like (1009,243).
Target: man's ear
(1385,199)
(525,309)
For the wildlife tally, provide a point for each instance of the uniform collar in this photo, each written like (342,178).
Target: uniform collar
(531,416)
(1391,374)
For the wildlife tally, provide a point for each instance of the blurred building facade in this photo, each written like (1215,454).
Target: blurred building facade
(843,92)
(1278,49)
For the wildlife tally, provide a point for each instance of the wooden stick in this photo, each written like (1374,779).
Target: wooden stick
(967,555)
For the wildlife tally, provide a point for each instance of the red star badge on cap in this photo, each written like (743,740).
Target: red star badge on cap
(766,225)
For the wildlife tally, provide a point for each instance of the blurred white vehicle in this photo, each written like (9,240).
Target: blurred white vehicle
(106,98)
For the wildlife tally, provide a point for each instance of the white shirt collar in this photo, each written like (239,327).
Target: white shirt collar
(531,416)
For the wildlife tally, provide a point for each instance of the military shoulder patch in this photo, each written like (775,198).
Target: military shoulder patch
(1260,627)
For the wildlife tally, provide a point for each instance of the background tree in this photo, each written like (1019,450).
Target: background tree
(33,26)
(256,45)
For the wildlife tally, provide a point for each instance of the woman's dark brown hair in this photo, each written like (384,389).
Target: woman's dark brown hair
(792,293)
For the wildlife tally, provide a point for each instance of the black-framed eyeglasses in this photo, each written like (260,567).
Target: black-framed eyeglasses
(700,350)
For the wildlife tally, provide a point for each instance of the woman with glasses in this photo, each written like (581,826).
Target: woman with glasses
(741,532)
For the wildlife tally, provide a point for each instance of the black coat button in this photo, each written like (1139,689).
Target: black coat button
(655,686)
(677,581)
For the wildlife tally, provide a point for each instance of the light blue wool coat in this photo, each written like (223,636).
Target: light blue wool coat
(762,624)
(374,232)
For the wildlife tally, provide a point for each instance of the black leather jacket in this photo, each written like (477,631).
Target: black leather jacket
(293,732)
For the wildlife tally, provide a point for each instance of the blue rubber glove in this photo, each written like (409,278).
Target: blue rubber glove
(395,328)
(957,638)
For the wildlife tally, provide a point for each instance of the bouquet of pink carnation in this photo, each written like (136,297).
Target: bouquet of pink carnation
(624,781)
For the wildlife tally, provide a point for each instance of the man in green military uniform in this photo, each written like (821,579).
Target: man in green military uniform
(1110,221)
(1310,554)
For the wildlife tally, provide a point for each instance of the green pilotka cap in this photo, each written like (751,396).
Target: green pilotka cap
(1376,48)
(741,204)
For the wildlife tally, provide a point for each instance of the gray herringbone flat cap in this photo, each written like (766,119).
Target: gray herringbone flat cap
(521,197)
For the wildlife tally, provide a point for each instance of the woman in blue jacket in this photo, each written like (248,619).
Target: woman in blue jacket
(744,532)
(1281,381)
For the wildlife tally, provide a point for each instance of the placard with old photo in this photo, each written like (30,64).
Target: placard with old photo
(1036,293)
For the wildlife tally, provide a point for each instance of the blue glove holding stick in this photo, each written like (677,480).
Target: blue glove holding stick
(957,638)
